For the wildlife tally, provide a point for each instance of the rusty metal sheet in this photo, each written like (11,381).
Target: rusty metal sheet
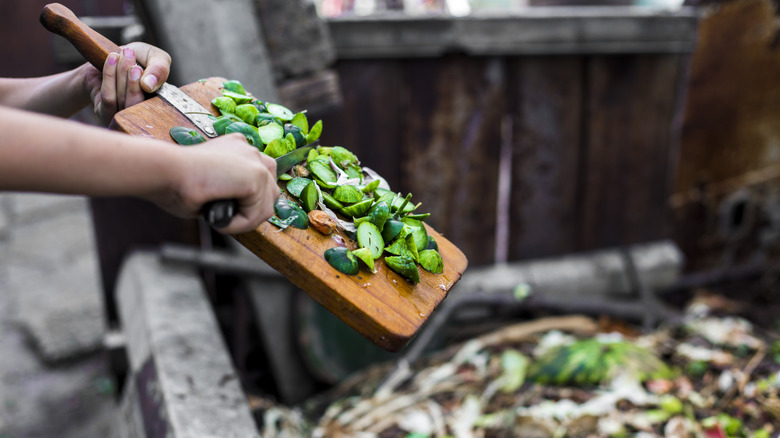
(727,193)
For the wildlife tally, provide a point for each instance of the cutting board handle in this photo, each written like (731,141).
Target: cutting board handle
(60,20)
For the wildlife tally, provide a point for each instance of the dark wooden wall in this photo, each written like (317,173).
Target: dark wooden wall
(591,138)
(27,47)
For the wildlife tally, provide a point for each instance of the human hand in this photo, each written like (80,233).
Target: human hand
(223,168)
(123,82)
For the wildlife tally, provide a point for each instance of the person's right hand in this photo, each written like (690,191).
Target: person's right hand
(223,168)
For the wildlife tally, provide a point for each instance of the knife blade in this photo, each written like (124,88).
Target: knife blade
(218,214)
(95,48)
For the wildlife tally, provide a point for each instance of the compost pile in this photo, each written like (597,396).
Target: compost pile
(703,376)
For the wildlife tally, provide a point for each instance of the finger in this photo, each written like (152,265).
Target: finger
(157,64)
(126,62)
(134,94)
(105,102)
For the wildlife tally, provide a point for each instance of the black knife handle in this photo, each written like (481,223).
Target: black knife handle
(218,214)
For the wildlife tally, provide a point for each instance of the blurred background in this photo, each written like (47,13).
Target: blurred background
(612,158)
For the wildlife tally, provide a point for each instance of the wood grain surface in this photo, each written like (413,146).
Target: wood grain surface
(382,306)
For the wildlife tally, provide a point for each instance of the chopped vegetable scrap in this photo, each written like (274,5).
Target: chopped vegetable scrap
(330,190)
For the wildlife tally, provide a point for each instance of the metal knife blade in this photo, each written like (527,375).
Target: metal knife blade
(191,109)
(288,161)
(218,214)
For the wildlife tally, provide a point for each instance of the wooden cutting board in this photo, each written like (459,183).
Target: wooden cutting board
(382,306)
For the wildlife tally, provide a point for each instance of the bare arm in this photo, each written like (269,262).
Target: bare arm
(47,154)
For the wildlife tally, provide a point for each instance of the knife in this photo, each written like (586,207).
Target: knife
(218,214)
(95,48)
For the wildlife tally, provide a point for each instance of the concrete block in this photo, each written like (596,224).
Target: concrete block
(5,216)
(182,375)
(37,400)
(60,308)
(203,34)
(29,207)
(52,240)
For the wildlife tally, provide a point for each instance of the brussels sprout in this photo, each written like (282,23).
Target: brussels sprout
(419,233)
(431,261)
(347,194)
(302,122)
(314,132)
(364,255)
(285,209)
(379,214)
(343,260)
(405,266)
(309,197)
(247,112)
(222,122)
(368,236)
(391,229)
(270,132)
(358,209)
(186,136)
(234,86)
(322,171)
(238,98)
(296,132)
(296,186)
(280,111)
(249,131)
(225,104)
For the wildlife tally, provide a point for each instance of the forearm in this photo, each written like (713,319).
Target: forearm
(46,154)
(61,95)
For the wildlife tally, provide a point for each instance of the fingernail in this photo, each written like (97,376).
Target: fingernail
(150,80)
(135,73)
(113,58)
(128,53)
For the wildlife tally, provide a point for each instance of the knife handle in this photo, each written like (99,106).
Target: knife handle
(60,20)
(218,214)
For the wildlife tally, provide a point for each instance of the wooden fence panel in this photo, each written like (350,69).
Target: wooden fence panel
(546,107)
(451,139)
(629,147)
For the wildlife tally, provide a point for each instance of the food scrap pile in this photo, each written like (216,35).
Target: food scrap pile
(707,376)
(329,189)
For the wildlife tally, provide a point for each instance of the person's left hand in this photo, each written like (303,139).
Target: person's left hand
(123,82)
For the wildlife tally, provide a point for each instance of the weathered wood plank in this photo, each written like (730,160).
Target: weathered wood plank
(368,120)
(546,99)
(450,145)
(630,107)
